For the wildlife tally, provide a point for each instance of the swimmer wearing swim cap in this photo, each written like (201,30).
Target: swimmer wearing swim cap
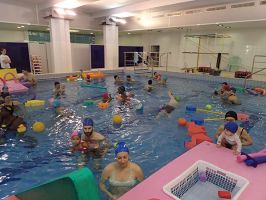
(121,147)
(96,142)
(121,175)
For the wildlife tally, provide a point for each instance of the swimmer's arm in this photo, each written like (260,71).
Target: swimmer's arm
(247,138)
(220,138)
(105,176)
(219,131)
(16,103)
(139,173)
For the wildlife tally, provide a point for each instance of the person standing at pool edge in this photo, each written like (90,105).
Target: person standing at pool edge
(4,59)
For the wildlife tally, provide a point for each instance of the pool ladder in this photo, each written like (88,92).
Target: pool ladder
(253,64)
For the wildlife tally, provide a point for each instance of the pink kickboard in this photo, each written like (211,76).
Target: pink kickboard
(152,187)
(14,86)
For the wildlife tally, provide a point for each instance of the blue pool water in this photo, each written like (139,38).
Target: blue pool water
(29,160)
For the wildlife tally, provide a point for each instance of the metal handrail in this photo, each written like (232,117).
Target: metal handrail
(245,82)
(254,58)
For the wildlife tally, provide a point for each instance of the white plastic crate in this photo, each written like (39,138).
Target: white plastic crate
(214,175)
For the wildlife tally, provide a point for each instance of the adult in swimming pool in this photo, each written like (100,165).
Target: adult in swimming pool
(130,79)
(7,118)
(97,144)
(28,78)
(230,97)
(118,80)
(245,138)
(122,174)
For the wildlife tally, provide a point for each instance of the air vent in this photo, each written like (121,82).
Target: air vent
(263,3)
(158,16)
(174,14)
(190,12)
(216,8)
(241,5)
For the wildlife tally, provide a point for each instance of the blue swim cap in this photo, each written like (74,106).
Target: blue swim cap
(87,122)
(231,126)
(121,147)
(56,103)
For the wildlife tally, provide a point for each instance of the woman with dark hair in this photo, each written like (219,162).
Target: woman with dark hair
(7,118)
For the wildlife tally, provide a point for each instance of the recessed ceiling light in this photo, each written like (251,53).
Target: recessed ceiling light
(123,15)
(73,31)
(91,33)
(220,25)
(69,4)
(128,33)
(18,27)
(227,27)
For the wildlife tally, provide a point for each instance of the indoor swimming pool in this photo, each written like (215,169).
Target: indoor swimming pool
(34,158)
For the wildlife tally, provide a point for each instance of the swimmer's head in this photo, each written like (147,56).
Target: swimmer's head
(88,76)
(128,78)
(57,85)
(75,138)
(230,116)
(87,122)
(105,97)
(232,127)
(165,78)
(121,90)
(121,147)
(88,126)
(5,89)
(149,82)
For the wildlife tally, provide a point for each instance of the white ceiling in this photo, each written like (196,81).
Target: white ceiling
(101,8)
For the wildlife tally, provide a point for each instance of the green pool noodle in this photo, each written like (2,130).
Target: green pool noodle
(93,86)
(88,103)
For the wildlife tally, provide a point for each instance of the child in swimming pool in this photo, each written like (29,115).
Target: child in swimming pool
(57,89)
(231,138)
(170,106)
(149,87)
(157,76)
(77,144)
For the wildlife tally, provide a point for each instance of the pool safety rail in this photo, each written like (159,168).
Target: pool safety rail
(202,171)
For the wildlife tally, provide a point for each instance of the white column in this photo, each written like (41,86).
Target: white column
(110,41)
(60,45)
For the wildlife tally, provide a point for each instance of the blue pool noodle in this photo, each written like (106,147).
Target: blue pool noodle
(255,161)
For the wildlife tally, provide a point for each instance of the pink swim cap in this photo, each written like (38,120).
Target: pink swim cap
(105,95)
(75,133)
